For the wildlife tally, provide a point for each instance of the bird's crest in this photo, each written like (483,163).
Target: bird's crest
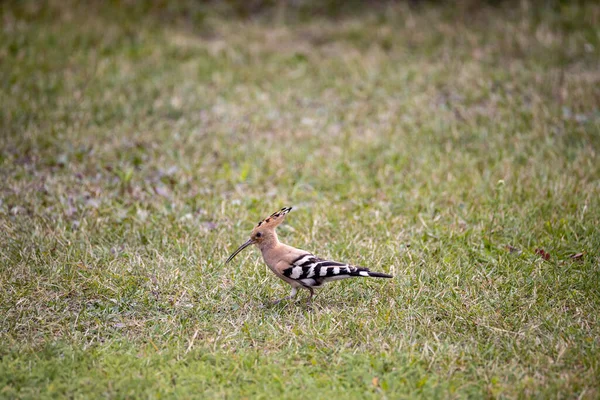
(274,219)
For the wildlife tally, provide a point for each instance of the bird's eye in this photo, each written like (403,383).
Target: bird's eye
(258,234)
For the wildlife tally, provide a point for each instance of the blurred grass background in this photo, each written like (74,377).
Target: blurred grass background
(453,145)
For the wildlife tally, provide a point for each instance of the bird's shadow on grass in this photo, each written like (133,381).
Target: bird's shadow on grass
(269,308)
(331,302)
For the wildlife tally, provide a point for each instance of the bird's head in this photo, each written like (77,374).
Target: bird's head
(264,232)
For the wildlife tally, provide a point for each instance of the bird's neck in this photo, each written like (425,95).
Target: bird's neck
(269,242)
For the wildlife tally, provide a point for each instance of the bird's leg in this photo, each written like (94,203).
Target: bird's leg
(291,296)
(312,293)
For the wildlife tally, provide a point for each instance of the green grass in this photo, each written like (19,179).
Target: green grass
(448,146)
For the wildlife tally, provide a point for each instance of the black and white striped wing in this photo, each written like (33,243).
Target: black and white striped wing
(312,271)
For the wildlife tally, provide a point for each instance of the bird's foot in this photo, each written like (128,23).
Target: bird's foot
(274,303)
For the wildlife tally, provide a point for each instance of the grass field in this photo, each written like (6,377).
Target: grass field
(454,147)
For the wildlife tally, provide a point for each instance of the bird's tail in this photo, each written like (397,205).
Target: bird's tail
(365,272)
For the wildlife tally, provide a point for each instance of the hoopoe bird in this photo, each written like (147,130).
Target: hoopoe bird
(299,268)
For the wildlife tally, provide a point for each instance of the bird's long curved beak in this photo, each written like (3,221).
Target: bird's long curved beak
(242,247)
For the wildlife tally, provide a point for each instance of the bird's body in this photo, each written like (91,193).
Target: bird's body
(297,267)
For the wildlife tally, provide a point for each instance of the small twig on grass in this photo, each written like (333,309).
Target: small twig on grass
(192,342)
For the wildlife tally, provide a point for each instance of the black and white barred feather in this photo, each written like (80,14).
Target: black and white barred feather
(312,271)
